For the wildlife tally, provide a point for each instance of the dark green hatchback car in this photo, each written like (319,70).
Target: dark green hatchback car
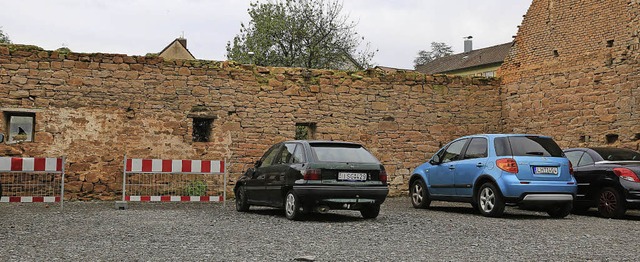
(314,176)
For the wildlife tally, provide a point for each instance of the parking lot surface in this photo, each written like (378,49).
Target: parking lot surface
(97,231)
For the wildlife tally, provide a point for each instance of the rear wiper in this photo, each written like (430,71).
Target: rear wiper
(535,153)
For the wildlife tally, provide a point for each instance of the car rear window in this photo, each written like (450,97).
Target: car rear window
(618,154)
(527,146)
(334,152)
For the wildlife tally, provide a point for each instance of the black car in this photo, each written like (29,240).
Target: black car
(607,179)
(307,176)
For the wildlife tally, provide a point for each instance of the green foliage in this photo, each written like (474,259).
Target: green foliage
(196,188)
(13,48)
(437,50)
(4,39)
(299,33)
(63,50)
(302,132)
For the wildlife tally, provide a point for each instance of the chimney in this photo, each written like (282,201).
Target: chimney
(183,41)
(468,45)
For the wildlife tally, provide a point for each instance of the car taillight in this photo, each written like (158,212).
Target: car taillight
(383,176)
(507,164)
(312,174)
(570,168)
(626,174)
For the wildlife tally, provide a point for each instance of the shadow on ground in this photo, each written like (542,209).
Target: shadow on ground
(330,217)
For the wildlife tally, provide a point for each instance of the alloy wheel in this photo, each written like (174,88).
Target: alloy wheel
(487,199)
(416,195)
(290,207)
(608,201)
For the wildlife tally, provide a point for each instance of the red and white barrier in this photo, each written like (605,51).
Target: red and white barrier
(29,199)
(44,165)
(31,164)
(174,198)
(172,166)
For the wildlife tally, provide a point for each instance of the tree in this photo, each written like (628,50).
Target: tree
(299,33)
(4,39)
(438,50)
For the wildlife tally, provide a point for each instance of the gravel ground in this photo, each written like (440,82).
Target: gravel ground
(97,231)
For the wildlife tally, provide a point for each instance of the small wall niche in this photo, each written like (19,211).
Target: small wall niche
(585,139)
(305,131)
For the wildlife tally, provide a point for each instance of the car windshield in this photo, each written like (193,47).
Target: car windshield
(527,146)
(617,154)
(335,152)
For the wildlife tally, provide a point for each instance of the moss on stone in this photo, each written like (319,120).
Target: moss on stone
(13,48)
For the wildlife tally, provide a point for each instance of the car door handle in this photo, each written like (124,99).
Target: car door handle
(480,165)
(452,167)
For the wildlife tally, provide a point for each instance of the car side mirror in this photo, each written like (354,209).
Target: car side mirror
(258,163)
(435,160)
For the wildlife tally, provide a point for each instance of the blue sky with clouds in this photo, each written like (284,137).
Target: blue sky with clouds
(398,28)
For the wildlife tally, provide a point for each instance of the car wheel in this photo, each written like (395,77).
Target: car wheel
(419,194)
(611,204)
(370,211)
(490,201)
(561,210)
(241,200)
(292,206)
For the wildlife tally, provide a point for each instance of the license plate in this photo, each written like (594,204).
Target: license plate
(352,176)
(548,170)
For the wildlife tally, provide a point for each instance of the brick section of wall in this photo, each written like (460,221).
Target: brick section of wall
(591,88)
(94,108)
(554,35)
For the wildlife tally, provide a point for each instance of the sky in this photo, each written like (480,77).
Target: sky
(398,29)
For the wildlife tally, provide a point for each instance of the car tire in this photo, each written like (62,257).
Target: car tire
(292,206)
(370,211)
(490,200)
(241,200)
(611,204)
(560,211)
(419,194)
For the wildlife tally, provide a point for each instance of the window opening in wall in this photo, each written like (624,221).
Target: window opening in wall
(202,129)
(610,43)
(489,74)
(611,138)
(20,126)
(584,139)
(305,131)
(555,53)
(636,137)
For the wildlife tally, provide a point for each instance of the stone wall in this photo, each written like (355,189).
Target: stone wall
(95,108)
(573,73)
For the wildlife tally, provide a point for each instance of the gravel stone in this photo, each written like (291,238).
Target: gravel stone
(97,231)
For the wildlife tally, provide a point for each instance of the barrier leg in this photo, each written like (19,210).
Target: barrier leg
(121,205)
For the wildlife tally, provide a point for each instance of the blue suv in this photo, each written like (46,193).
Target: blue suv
(495,170)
